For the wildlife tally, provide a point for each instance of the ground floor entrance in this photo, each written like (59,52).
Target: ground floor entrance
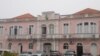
(79,49)
(47,48)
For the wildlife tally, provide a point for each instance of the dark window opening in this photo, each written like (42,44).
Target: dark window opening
(30,29)
(65,24)
(65,46)
(92,23)
(30,45)
(80,24)
(79,49)
(43,30)
(86,23)
(15,30)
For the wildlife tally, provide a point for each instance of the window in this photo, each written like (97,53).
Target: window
(65,46)
(86,23)
(11,30)
(30,29)
(79,28)
(20,30)
(93,27)
(1,30)
(30,45)
(9,45)
(51,29)
(15,30)
(86,27)
(44,29)
(79,44)
(1,45)
(46,16)
(66,29)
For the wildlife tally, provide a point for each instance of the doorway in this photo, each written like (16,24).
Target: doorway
(47,48)
(20,48)
(94,49)
(79,49)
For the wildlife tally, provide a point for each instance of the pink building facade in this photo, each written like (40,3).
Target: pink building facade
(78,32)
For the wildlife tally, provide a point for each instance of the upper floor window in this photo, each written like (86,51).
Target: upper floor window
(51,29)
(15,30)
(93,27)
(30,29)
(44,29)
(20,30)
(1,30)
(46,16)
(11,30)
(79,28)
(66,28)
(86,27)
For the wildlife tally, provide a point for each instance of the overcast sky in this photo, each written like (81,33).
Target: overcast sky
(12,8)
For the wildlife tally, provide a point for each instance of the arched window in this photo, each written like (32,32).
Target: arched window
(9,45)
(44,29)
(30,45)
(79,49)
(65,46)
(79,44)
(51,29)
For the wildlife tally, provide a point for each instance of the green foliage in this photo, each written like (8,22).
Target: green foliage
(9,54)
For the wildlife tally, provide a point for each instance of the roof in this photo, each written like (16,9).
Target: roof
(88,11)
(25,16)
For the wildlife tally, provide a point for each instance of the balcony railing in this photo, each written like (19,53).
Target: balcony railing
(54,36)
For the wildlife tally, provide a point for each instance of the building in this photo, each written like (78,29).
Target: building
(78,32)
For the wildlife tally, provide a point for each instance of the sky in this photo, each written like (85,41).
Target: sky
(12,8)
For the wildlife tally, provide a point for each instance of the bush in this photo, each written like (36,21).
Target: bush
(9,54)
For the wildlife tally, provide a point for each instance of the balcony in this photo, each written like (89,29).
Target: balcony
(54,36)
